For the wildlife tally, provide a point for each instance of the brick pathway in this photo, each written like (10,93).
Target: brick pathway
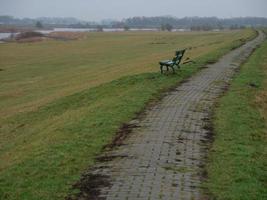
(163,158)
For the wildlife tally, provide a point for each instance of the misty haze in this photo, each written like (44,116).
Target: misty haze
(97,10)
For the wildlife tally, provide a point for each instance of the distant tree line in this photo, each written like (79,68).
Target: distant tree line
(163,23)
(196,22)
(39,24)
(166,27)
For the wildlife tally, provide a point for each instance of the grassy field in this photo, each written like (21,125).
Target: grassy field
(61,102)
(37,73)
(237,168)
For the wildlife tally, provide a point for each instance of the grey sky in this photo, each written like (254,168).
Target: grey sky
(118,9)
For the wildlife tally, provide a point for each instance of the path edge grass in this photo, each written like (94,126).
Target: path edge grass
(238,155)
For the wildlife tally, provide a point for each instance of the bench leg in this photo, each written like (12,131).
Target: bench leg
(173,70)
(161,69)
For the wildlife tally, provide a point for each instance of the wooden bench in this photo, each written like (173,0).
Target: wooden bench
(174,62)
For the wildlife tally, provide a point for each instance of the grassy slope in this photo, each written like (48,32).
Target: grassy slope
(44,151)
(35,74)
(237,169)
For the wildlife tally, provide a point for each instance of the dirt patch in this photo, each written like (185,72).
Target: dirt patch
(121,135)
(211,62)
(32,39)
(14,29)
(89,187)
(30,34)
(253,85)
(67,35)
(107,158)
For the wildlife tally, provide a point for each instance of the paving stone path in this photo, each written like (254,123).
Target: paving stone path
(163,157)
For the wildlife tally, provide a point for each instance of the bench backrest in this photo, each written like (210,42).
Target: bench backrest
(179,55)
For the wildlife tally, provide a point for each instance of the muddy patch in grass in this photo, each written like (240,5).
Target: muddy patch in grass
(121,135)
(253,85)
(107,158)
(89,187)
(92,182)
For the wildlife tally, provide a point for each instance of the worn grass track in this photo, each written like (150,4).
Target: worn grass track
(58,108)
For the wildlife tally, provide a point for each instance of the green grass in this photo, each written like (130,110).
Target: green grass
(44,151)
(238,160)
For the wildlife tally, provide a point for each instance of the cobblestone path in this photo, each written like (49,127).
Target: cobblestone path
(163,157)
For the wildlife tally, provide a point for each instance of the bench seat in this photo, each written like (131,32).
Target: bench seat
(174,62)
(166,62)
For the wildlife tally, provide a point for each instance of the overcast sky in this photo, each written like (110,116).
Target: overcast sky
(118,9)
